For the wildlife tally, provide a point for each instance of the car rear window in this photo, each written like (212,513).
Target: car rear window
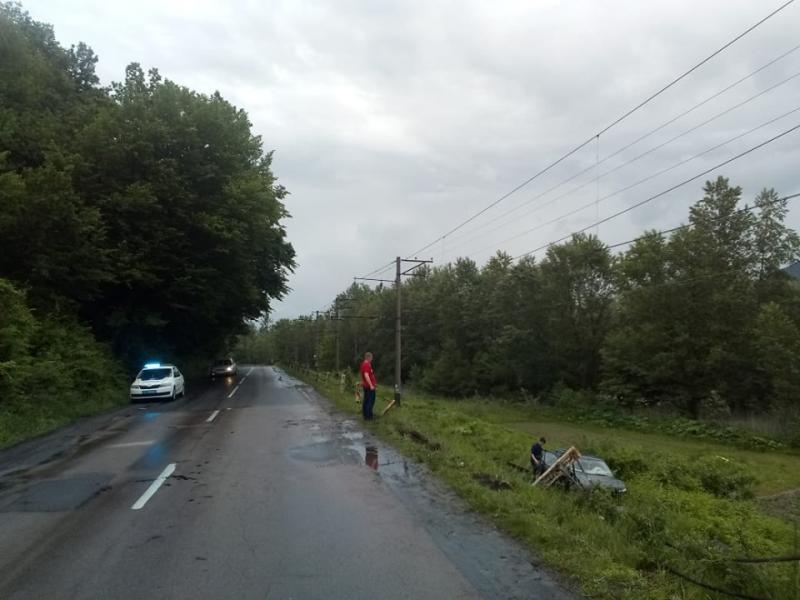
(153,374)
(593,466)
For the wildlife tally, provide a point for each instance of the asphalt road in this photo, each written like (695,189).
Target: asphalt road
(253,488)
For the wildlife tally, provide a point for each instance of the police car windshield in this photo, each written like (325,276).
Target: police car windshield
(153,374)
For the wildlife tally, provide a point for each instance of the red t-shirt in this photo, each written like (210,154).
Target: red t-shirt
(367,375)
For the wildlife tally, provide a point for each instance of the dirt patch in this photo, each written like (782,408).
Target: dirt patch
(785,505)
(419,438)
(491,482)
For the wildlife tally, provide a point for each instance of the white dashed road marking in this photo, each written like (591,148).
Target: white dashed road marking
(233,392)
(133,444)
(212,417)
(169,470)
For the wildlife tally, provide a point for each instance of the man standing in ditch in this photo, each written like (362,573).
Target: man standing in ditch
(537,457)
(369,383)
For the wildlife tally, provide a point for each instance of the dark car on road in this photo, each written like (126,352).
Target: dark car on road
(588,472)
(223,367)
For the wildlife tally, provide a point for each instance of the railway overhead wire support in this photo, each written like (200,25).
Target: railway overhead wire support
(398,328)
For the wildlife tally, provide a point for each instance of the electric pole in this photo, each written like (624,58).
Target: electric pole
(338,319)
(398,326)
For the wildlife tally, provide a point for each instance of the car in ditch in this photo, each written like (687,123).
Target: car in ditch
(587,472)
(158,382)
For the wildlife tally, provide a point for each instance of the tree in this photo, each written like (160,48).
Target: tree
(148,210)
(688,306)
(640,362)
(576,298)
(190,201)
(777,339)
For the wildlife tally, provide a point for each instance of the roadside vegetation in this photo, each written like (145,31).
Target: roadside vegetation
(701,322)
(138,221)
(51,371)
(692,510)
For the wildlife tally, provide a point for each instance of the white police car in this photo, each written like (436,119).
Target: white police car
(157,381)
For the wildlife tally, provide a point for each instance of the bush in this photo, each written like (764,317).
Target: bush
(723,477)
(626,462)
(51,371)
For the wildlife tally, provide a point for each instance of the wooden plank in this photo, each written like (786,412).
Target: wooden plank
(558,468)
(385,410)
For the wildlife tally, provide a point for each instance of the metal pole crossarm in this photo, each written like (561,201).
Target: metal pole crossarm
(416,266)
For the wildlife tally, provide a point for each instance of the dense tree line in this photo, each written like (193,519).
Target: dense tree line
(702,319)
(146,210)
(137,221)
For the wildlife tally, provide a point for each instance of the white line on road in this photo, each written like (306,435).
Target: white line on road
(243,380)
(251,370)
(233,392)
(212,417)
(132,444)
(168,470)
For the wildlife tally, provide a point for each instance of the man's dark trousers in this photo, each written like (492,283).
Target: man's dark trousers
(369,402)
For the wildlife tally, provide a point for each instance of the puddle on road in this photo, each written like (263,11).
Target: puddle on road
(324,452)
(344,442)
(353,450)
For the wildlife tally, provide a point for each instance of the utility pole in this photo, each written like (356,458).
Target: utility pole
(338,319)
(316,340)
(398,326)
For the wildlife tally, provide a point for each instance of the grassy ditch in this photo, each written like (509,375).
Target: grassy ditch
(690,512)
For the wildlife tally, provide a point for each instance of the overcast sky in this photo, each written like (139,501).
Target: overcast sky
(393,121)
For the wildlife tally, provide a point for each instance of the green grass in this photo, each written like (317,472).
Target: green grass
(686,509)
(774,471)
(25,420)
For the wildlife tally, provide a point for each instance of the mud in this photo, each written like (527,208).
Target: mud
(491,482)
(419,438)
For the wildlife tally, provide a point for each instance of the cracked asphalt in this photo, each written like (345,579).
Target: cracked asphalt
(275,496)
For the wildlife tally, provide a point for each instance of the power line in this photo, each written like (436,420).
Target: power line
(607,128)
(379,270)
(632,185)
(688,225)
(697,66)
(643,137)
(675,282)
(663,193)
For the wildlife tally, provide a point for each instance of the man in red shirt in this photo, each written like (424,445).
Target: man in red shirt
(369,384)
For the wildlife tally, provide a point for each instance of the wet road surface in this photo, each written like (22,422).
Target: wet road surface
(253,488)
